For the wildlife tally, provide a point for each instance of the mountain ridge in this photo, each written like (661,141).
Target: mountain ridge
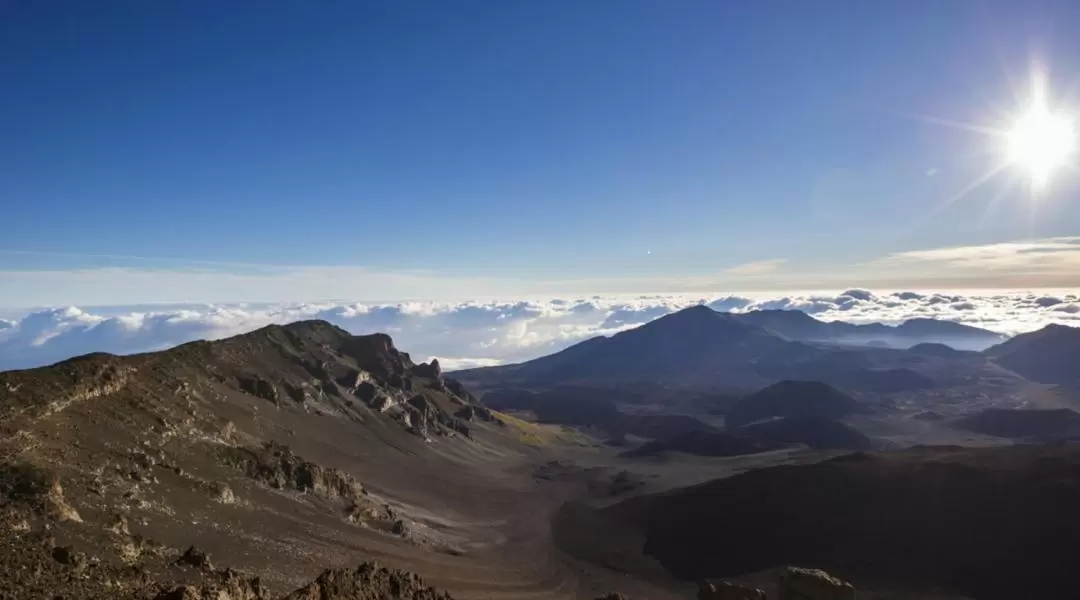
(1048,355)
(798,325)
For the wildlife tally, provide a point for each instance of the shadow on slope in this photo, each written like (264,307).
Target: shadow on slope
(992,523)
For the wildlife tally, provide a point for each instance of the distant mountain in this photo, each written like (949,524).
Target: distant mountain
(991,523)
(791,399)
(1049,355)
(1043,425)
(698,348)
(797,325)
(935,349)
(816,432)
(693,345)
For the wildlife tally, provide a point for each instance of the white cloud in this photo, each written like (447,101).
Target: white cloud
(1050,262)
(759,267)
(479,333)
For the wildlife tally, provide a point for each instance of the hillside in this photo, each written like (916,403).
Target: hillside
(814,432)
(993,524)
(791,399)
(301,450)
(704,443)
(1049,355)
(281,453)
(1045,425)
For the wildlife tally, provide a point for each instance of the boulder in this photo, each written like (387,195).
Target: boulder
(813,584)
(193,557)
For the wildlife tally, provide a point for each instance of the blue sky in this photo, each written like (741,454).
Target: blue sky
(209,151)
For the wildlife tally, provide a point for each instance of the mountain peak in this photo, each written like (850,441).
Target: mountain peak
(1047,355)
(697,311)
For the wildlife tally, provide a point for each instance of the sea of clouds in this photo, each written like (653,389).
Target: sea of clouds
(469,334)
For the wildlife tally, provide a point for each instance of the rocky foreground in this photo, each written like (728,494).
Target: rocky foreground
(286,450)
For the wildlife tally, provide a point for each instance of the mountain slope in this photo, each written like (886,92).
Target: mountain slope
(797,325)
(697,348)
(791,399)
(284,452)
(693,345)
(1046,424)
(815,432)
(1049,355)
(993,524)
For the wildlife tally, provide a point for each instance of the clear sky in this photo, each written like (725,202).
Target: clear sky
(210,151)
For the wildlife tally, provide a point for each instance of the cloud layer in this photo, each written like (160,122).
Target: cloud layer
(1038,263)
(469,334)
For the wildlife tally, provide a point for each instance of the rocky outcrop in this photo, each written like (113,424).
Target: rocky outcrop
(37,489)
(430,370)
(725,590)
(260,388)
(276,466)
(224,585)
(369,581)
(193,557)
(475,411)
(813,584)
(728,590)
(425,417)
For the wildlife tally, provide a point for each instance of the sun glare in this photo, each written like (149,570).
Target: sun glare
(1041,141)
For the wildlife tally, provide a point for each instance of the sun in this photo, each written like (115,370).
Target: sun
(1040,140)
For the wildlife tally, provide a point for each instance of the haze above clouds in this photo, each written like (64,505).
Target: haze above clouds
(466,334)
(468,321)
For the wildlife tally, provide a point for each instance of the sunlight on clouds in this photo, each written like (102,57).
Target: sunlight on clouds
(485,333)
(1052,256)
(760,267)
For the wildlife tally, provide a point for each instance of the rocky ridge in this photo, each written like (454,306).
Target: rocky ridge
(111,466)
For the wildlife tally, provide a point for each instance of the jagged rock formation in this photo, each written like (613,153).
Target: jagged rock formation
(367,582)
(813,584)
(224,585)
(276,466)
